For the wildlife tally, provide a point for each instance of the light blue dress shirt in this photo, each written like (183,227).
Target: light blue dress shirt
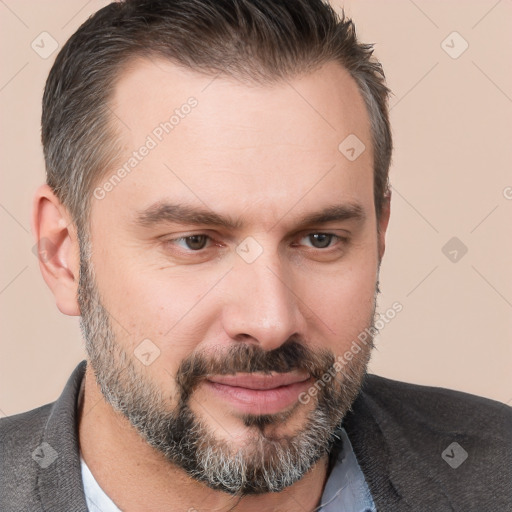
(346,489)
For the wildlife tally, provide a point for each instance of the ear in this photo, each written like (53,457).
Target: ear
(58,250)
(383,223)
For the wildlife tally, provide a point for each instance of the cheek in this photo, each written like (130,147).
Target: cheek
(165,309)
(341,304)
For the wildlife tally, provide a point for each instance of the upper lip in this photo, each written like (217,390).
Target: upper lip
(259,381)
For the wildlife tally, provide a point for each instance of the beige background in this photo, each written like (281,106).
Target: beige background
(452,123)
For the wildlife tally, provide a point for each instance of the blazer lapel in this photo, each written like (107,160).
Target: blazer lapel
(398,477)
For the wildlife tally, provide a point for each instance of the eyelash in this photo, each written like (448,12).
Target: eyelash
(334,237)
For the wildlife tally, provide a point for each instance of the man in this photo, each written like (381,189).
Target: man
(215,211)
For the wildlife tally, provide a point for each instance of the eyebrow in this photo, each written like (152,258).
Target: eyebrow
(164,212)
(340,212)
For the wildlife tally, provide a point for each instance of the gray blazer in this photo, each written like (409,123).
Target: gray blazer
(420,448)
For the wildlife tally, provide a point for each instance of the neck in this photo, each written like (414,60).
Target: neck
(138,477)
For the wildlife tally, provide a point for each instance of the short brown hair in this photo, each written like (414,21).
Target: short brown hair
(257,40)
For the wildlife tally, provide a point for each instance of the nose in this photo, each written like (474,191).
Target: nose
(262,307)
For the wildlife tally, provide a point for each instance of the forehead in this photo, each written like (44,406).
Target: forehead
(149,90)
(212,138)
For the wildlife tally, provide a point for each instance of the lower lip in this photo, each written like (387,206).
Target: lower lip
(259,401)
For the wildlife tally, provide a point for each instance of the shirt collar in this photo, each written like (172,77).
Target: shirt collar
(346,487)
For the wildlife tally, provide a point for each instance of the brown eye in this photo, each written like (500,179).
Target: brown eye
(195,242)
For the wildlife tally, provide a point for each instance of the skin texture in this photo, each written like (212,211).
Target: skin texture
(264,156)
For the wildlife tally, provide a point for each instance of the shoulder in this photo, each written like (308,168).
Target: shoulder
(39,455)
(431,448)
(25,425)
(20,434)
(21,451)
(439,408)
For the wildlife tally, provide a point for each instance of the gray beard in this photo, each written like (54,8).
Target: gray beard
(265,463)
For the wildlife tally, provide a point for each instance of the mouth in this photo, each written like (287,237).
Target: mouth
(256,393)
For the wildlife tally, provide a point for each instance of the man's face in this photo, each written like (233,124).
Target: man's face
(204,329)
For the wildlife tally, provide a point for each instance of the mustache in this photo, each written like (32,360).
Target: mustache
(245,358)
